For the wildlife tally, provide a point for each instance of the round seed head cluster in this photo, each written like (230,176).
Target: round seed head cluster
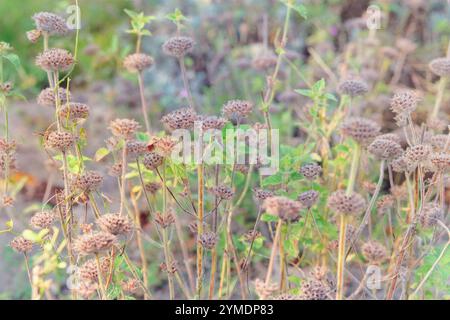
(286,209)
(50,23)
(385,149)
(114,223)
(124,128)
(59,140)
(131,286)
(165,145)
(86,289)
(152,187)
(312,289)
(440,67)
(385,203)
(264,291)
(42,220)
(152,160)
(402,164)
(308,198)
(286,296)
(404,102)
(223,192)
(183,118)
(208,240)
(235,109)
(74,110)
(418,153)
(361,130)
(261,194)
(211,122)
(439,142)
(178,46)
(342,203)
(165,220)
(89,269)
(251,235)
(21,245)
(440,160)
(390,136)
(137,62)
(374,252)
(430,214)
(93,243)
(311,171)
(46,97)
(87,181)
(34,35)
(353,87)
(115,170)
(136,148)
(55,59)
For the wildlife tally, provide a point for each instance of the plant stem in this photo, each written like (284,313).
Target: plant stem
(100,278)
(186,83)
(199,230)
(439,96)
(143,102)
(273,253)
(122,182)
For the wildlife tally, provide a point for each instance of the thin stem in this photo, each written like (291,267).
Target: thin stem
(199,230)
(100,278)
(143,103)
(122,182)
(273,253)
(186,83)
(439,96)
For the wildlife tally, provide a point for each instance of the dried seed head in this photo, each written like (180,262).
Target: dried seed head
(152,160)
(223,192)
(264,61)
(87,182)
(164,145)
(404,102)
(374,252)
(89,269)
(208,240)
(7,160)
(251,235)
(353,87)
(390,136)
(47,97)
(115,170)
(437,124)
(402,164)
(21,245)
(385,149)
(74,110)
(286,296)
(440,160)
(237,109)
(193,227)
(418,153)
(311,171)
(342,203)
(55,59)
(93,243)
(50,23)
(399,192)
(59,140)
(211,122)
(286,209)
(308,198)
(261,194)
(264,291)
(178,46)
(314,290)
(183,118)
(130,286)
(361,130)
(124,128)
(152,187)
(440,67)
(86,289)
(385,203)
(165,220)
(430,214)
(137,62)
(42,220)
(439,142)
(319,273)
(136,148)
(114,223)
(369,186)
(173,267)
(34,35)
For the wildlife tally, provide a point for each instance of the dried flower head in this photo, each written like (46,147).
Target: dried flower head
(439,142)
(87,182)
(137,62)
(251,235)
(385,149)
(404,102)
(286,296)
(399,192)
(152,160)
(34,35)
(89,269)
(261,194)
(55,59)
(361,130)
(311,171)
(384,203)
(21,245)
(178,46)
(208,240)
(440,160)
(42,220)
(86,289)
(74,110)
(124,128)
(114,223)
(165,220)
(418,153)
(402,164)
(440,66)
(164,145)
(353,87)
(286,209)
(264,291)
(46,97)
(136,148)
(312,289)
(173,267)
(223,192)
(237,109)
(183,118)
(308,198)
(342,203)
(374,252)
(211,122)
(94,243)
(115,170)
(390,136)
(152,187)
(430,214)
(59,140)
(130,286)
(50,23)
(369,186)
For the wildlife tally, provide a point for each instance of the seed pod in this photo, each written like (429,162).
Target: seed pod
(178,46)
(353,87)
(341,203)
(50,23)
(21,245)
(94,243)
(374,252)
(55,59)
(137,62)
(114,223)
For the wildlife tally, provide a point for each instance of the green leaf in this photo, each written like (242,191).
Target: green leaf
(273,180)
(100,154)
(142,136)
(301,10)
(304,92)
(268,217)
(14,59)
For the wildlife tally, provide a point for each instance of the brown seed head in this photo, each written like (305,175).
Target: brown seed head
(308,198)
(74,110)
(311,171)
(404,102)
(50,23)
(264,291)
(59,140)
(46,97)
(374,252)
(114,223)
(89,269)
(237,109)
(208,240)
(440,160)
(430,214)
(286,209)
(183,118)
(418,153)
(137,62)
(21,245)
(136,148)
(124,128)
(94,243)
(178,46)
(440,67)
(42,219)
(361,130)
(34,35)
(211,122)
(312,289)
(353,87)
(152,160)
(385,149)
(385,203)
(152,187)
(341,203)
(223,192)
(55,59)
(87,182)
(261,194)
(165,220)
